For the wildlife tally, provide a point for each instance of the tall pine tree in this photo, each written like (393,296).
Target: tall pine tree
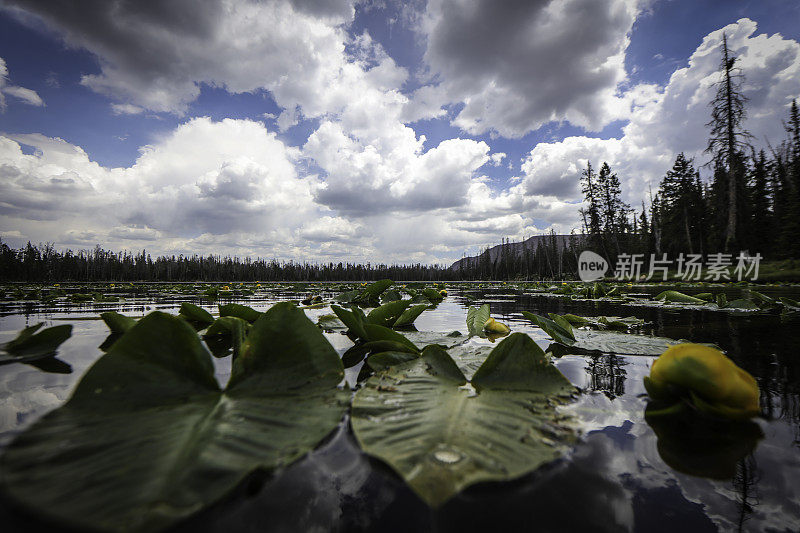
(727,144)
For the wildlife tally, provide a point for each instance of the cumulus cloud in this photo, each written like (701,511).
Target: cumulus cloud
(363,186)
(204,177)
(27,96)
(672,120)
(519,65)
(156,55)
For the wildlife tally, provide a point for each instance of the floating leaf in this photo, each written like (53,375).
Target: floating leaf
(353,319)
(621,343)
(232,329)
(196,315)
(390,295)
(117,322)
(557,331)
(388,313)
(741,303)
(30,345)
(442,434)
(602,322)
(476,318)
(678,297)
(383,360)
(148,437)
(330,322)
(240,311)
(408,317)
(380,333)
(432,294)
(369,294)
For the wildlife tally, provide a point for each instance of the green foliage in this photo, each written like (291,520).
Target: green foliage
(240,311)
(29,345)
(117,322)
(476,318)
(442,435)
(148,438)
(196,315)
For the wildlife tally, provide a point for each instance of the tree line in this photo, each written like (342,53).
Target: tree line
(751,203)
(44,263)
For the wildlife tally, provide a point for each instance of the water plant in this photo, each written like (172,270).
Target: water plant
(706,379)
(148,437)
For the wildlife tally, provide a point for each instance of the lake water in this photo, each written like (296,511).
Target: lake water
(623,475)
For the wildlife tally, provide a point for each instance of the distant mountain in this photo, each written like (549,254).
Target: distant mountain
(518,248)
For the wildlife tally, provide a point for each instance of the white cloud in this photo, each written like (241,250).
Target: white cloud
(666,122)
(27,96)
(519,65)
(156,55)
(497,158)
(126,109)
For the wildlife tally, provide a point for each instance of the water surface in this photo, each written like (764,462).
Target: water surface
(624,475)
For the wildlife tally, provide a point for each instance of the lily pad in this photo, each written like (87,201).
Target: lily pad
(678,297)
(408,317)
(476,318)
(560,331)
(240,311)
(30,345)
(196,315)
(388,313)
(148,437)
(442,434)
(116,322)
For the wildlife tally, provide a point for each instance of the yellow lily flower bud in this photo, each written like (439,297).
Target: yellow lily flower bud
(713,381)
(493,326)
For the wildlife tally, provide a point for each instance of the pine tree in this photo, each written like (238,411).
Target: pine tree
(682,210)
(728,142)
(761,228)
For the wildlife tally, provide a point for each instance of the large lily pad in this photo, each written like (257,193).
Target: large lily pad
(442,434)
(148,437)
(601,341)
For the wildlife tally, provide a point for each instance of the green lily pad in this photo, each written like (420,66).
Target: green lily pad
(196,315)
(388,313)
(560,331)
(442,434)
(476,318)
(369,294)
(148,438)
(602,322)
(408,317)
(353,319)
(678,297)
(29,345)
(116,322)
(240,311)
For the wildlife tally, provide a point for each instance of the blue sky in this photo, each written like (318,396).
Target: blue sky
(334,130)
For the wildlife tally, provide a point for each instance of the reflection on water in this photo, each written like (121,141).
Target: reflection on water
(631,472)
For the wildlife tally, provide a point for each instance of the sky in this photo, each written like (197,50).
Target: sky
(348,130)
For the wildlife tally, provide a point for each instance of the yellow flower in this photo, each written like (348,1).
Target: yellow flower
(713,381)
(443,293)
(493,326)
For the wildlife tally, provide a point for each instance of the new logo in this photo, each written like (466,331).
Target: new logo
(591,266)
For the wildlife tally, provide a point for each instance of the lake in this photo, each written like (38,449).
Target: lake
(624,474)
